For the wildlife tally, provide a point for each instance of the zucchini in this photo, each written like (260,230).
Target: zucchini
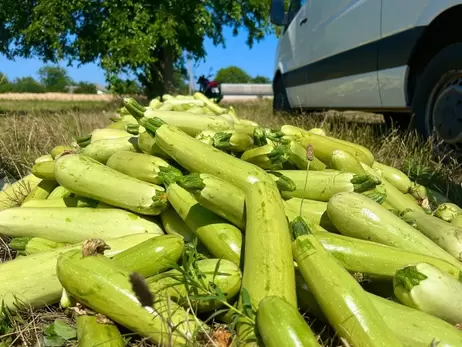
(152,256)
(147,144)
(174,225)
(447,211)
(217,195)
(280,324)
(37,245)
(71,224)
(59,193)
(322,185)
(63,202)
(396,177)
(98,283)
(144,167)
(444,234)
(342,300)
(315,211)
(376,260)
(457,221)
(87,177)
(344,161)
(58,150)
(221,274)
(105,134)
(209,104)
(96,331)
(196,156)
(17,192)
(42,191)
(268,265)
(222,239)
(232,141)
(103,149)
(44,170)
(45,157)
(31,282)
(357,216)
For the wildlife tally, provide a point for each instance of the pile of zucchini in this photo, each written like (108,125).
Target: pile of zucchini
(180,219)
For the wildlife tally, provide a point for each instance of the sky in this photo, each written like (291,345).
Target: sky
(256,61)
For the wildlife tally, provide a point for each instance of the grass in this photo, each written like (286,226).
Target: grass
(29,129)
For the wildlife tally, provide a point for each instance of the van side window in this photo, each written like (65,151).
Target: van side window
(294,7)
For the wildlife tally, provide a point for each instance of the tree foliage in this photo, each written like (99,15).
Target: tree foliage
(85,88)
(232,74)
(143,37)
(54,78)
(261,79)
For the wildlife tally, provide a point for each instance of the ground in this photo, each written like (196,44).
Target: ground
(29,129)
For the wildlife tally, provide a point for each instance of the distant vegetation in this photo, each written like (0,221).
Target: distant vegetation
(234,74)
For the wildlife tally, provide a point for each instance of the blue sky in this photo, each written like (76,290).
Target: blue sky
(256,61)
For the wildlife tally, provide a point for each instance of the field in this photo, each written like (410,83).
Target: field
(30,128)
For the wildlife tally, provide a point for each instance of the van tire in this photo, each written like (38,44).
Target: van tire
(280,99)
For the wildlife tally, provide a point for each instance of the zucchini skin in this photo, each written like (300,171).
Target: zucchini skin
(42,191)
(174,225)
(152,256)
(357,216)
(280,324)
(268,266)
(44,170)
(98,283)
(73,224)
(223,240)
(87,177)
(394,176)
(103,149)
(17,192)
(92,333)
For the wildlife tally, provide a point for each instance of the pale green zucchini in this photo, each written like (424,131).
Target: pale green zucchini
(315,211)
(105,134)
(344,161)
(413,328)
(222,273)
(103,149)
(232,141)
(42,191)
(59,193)
(56,151)
(63,202)
(444,234)
(218,196)
(280,324)
(71,224)
(31,281)
(144,167)
(209,104)
(45,157)
(396,177)
(297,156)
(447,211)
(376,260)
(196,156)
(268,265)
(322,185)
(342,299)
(94,331)
(223,240)
(17,192)
(174,225)
(44,170)
(147,144)
(152,256)
(357,216)
(155,103)
(457,221)
(87,177)
(317,131)
(99,284)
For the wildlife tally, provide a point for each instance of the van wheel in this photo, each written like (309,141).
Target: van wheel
(280,99)
(400,120)
(437,102)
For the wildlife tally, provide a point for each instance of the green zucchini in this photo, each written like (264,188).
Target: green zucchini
(45,157)
(396,177)
(223,240)
(147,144)
(87,177)
(72,224)
(374,259)
(196,156)
(209,104)
(315,211)
(357,216)
(444,234)
(447,211)
(103,149)
(268,265)
(322,185)
(144,167)
(457,221)
(37,245)
(42,191)
(217,195)
(106,134)
(342,300)
(99,284)
(152,256)
(216,273)
(56,151)
(59,193)
(280,324)
(17,192)
(174,225)
(232,141)
(344,161)
(44,170)
(95,331)
(63,202)
(31,281)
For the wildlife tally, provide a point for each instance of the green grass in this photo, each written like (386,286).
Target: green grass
(28,132)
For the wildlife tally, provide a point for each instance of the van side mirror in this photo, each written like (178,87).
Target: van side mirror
(277,12)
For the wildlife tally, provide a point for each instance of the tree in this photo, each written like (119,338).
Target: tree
(85,88)
(261,79)
(54,79)
(124,86)
(143,37)
(5,85)
(232,74)
(27,85)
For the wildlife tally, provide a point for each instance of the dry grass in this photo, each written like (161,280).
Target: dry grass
(56,97)
(24,137)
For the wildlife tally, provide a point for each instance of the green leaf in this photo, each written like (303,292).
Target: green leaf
(53,341)
(58,332)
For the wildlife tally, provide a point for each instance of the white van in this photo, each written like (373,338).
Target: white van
(395,57)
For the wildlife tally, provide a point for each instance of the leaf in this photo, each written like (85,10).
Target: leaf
(53,341)
(246,303)
(58,331)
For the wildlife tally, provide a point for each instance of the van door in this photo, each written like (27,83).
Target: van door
(342,40)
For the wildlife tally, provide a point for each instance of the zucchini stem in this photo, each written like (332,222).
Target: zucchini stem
(192,181)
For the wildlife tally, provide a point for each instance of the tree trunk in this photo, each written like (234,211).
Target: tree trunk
(168,60)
